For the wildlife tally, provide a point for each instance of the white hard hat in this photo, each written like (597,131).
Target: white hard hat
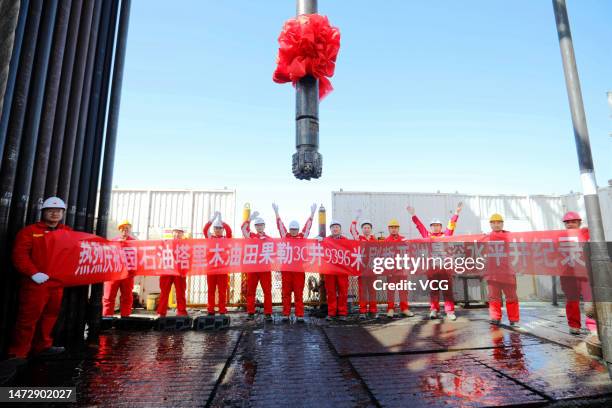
(435,221)
(217,224)
(258,221)
(335,222)
(366,221)
(53,202)
(182,229)
(294,225)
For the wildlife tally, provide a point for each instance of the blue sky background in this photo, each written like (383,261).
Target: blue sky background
(429,95)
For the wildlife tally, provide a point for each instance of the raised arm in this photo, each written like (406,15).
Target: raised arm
(207,226)
(282,230)
(417,222)
(246,225)
(246,229)
(308,224)
(228,230)
(353,229)
(452,223)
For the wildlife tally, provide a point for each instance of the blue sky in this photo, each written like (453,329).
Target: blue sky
(429,95)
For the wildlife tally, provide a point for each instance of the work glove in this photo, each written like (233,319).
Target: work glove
(275,208)
(410,210)
(320,238)
(40,277)
(214,216)
(313,208)
(253,215)
(358,214)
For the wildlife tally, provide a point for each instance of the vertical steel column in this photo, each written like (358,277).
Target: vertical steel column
(322,292)
(8,283)
(598,258)
(66,328)
(61,113)
(77,159)
(94,309)
(101,120)
(29,137)
(91,123)
(307,161)
(109,153)
(76,91)
(76,299)
(113,120)
(47,120)
(8,170)
(10,161)
(9,13)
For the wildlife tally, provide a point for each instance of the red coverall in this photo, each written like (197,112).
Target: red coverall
(110,292)
(218,281)
(337,303)
(39,304)
(180,287)
(293,281)
(500,278)
(573,287)
(265,277)
(434,295)
(367,293)
(403,295)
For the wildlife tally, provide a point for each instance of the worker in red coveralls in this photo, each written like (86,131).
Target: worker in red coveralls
(439,274)
(367,293)
(336,285)
(126,286)
(40,296)
(394,236)
(573,287)
(293,281)
(179,282)
(253,278)
(500,277)
(217,281)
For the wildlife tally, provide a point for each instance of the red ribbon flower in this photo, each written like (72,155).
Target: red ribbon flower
(309,45)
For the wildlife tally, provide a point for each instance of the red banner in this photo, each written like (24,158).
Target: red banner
(76,258)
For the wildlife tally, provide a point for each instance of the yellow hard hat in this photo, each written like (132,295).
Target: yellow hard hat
(496,217)
(124,223)
(393,223)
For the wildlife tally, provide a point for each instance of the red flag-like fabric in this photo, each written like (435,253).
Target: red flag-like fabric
(309,45)
(79,258)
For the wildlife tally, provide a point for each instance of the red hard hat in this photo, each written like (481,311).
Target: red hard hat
(571,216)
